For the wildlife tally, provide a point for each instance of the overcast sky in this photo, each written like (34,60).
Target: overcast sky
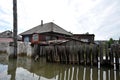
(99,17)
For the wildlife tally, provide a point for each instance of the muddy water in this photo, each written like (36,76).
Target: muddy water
(27,69)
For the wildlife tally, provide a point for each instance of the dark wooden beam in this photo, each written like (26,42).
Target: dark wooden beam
(15,27)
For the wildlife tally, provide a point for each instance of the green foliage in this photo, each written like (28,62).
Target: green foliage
(111,41)
(87,33)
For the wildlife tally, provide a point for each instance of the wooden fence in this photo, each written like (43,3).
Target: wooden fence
(86,54)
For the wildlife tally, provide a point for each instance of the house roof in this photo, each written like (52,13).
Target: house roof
(8,34)
(48,27)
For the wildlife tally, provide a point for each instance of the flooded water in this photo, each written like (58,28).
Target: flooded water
(27,69)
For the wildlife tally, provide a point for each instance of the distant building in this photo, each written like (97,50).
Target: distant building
(45,32)
(7,36)
(85,37)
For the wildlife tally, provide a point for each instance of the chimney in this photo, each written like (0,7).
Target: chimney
(41,22)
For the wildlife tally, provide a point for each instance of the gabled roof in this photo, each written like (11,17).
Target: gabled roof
(48,27)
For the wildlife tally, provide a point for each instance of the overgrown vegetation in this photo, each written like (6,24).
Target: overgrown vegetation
(110,42)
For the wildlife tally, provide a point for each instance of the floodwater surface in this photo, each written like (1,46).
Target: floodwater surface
(24,68)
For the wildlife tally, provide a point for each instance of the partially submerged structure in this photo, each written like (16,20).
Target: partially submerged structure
(59,45)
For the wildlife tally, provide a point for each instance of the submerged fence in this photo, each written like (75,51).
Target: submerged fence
(87,54)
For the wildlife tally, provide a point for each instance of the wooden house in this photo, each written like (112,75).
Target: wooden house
(45,32)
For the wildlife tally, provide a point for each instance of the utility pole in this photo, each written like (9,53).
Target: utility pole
(15,27)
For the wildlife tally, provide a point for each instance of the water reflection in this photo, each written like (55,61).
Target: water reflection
(27,69)
(98,74)
(12,66)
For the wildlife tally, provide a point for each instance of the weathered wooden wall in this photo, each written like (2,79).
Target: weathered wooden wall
(87,54)
(83,54)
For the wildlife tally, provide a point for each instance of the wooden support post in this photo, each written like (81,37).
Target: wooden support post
(79,54)
(73,55)
(54,53)
(59,53)
(85,55)
(67,54)
(111,56)
(91,56)
(114,60)
(99,56)
(38,49)
(11,69)
(71,52)
(14,28)
(47,58)
(117,56)
(95,54)
(101,53)
(106,48)
(35,50)
(82,55)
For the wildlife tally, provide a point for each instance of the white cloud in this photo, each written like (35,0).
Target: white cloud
(99,17)
(78,16)
(5,15)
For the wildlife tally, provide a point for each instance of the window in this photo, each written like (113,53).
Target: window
(35,37)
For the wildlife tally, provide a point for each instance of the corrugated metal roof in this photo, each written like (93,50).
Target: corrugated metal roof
(48,27)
